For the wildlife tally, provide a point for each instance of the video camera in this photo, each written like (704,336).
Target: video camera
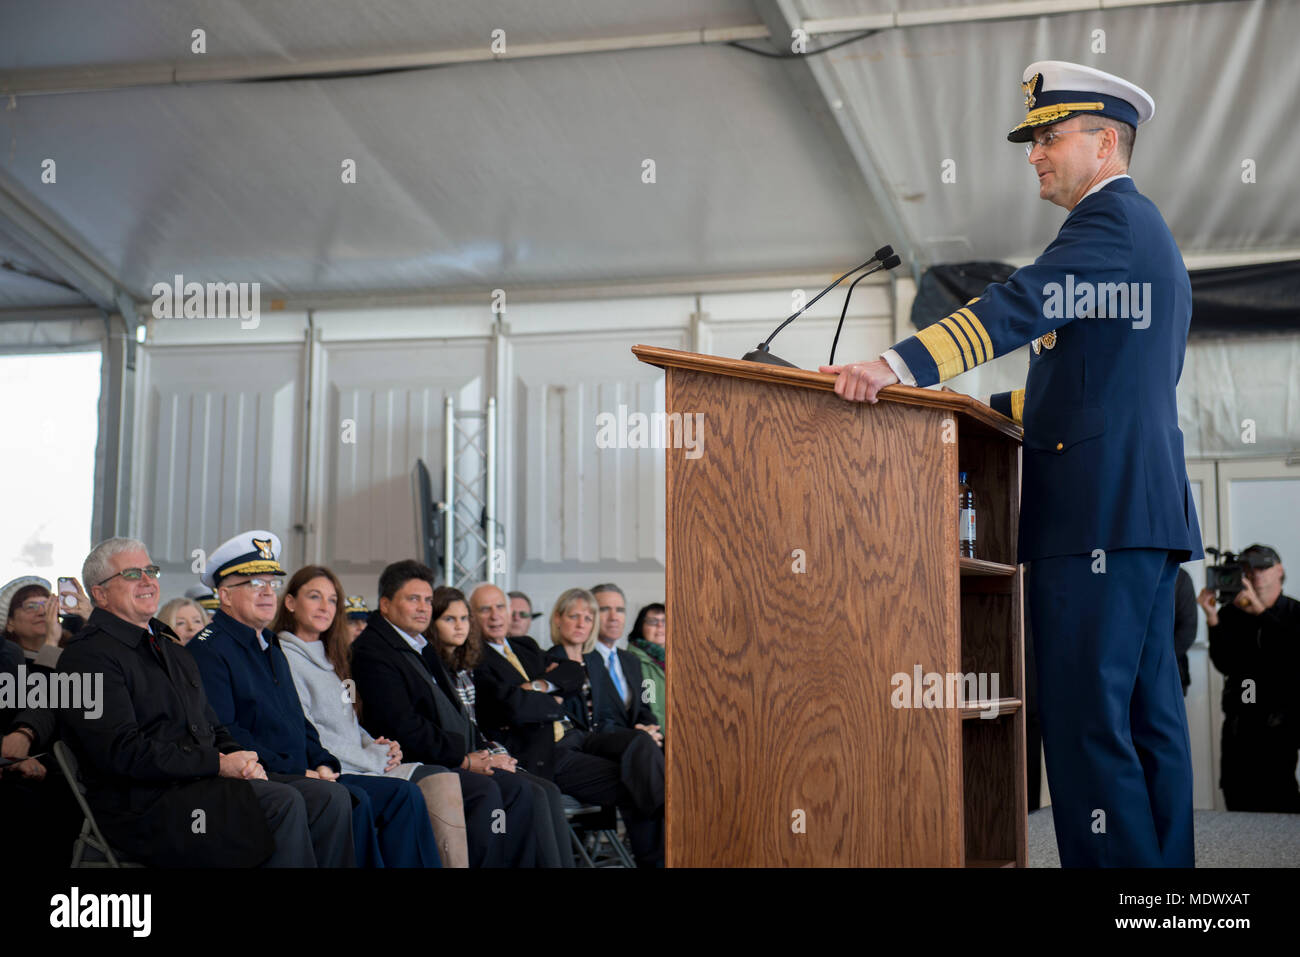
(1224,578)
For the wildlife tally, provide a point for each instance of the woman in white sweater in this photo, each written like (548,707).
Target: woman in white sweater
(313,636)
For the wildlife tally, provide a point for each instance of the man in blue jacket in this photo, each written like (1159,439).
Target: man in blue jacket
(1106,509)
(248,681)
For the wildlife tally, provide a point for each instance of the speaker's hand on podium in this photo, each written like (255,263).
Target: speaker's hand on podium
(861,381)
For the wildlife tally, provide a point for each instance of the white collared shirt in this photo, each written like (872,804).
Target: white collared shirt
(1103,184)
(417,642)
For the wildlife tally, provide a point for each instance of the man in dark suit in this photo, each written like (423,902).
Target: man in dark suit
(1106,510)
(406,695)
(618,689)
(521,697)
(520,694)
(157,756)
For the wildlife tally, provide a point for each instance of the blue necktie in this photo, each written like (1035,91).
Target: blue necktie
(616,673)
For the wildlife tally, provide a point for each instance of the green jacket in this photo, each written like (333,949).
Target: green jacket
(651,669)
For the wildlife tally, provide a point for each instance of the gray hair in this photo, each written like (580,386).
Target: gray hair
(98,564)
(609,586)
(1125,133)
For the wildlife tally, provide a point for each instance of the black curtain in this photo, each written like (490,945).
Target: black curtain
(1263,298)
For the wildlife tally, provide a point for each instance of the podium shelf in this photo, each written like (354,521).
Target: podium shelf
(978,566)
(1004,706)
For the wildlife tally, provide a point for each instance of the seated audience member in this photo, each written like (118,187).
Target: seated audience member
(30,617)
(406,695)
(521,614)
(313,636)
(357,615)
(619,689)
(456,637)
(42,817)
(206,600)
(248,681)
(638,784)
(521,694)
(646,643)
(185,617)
(157,752)
(11,658)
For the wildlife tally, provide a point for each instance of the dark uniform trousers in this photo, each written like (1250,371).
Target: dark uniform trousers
(1119,760)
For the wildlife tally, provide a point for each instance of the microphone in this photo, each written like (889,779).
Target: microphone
(889,263)
(761,353)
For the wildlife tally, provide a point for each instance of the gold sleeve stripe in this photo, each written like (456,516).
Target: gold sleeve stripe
(968,360)
(981,331)
(943,349)
(973,301)
(980,355)
(1018,406)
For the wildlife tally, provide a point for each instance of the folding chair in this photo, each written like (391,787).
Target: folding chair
(600,827)
(91,839)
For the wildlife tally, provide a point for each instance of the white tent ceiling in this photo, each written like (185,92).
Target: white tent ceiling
(528,171)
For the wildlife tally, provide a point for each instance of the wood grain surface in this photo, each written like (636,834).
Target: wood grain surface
(784,678)
(788,749)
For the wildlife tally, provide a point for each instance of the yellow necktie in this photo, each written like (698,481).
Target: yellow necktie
(558,728)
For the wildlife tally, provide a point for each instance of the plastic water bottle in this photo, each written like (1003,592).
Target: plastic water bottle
(966,517)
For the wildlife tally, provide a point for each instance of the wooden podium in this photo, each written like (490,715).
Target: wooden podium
(812,574)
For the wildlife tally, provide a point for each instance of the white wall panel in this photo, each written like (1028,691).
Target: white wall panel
(392,394)
(584,514)
(219,447)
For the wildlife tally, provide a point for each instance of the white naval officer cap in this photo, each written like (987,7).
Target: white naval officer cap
(248,553)
(1056,90)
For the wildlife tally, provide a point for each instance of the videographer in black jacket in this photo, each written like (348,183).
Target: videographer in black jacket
(1255,642)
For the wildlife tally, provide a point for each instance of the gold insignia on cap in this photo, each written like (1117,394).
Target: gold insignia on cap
(1028,88)
(263,546)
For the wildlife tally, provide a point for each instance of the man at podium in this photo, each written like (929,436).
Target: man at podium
(1106,513)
